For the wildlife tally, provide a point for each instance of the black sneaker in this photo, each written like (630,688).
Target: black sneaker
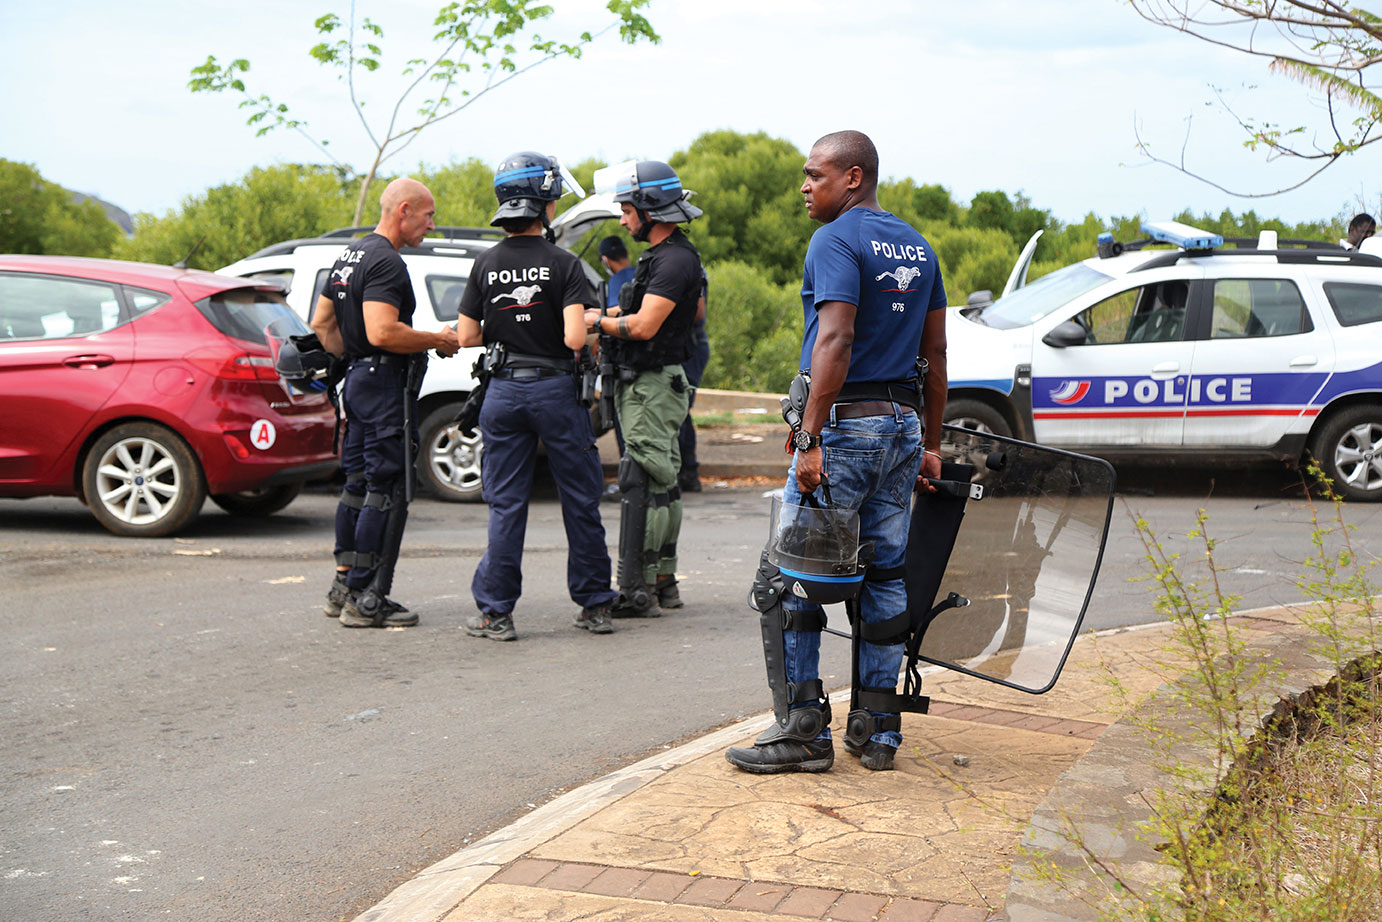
(394,615)
(495,627)
(668,596)
(872,755)
(783,756)
(595,619)
(336,596)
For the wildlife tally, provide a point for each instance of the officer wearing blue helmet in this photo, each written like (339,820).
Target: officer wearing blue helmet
(651,330)
(525,302)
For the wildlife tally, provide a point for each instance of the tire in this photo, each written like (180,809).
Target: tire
(260,502)
(141,480)
(1348,448)
(980,417)
(449,462)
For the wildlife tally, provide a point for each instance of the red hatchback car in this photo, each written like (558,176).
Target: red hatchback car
(141,389)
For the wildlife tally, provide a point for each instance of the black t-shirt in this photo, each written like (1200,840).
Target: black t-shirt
(672,270)
(517,290)
(370,269)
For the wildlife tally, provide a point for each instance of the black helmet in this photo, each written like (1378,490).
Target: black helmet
(655,190)
(526,181)
(304,366)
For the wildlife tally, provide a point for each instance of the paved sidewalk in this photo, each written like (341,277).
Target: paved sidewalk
(684,836)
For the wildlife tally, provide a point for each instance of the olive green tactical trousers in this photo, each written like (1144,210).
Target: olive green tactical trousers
(650,414)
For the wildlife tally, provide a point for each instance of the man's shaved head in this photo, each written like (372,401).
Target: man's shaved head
(400,191)
(845,149)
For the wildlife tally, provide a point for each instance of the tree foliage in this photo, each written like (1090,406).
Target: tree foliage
(479,46)
(37,216)
(1328,46)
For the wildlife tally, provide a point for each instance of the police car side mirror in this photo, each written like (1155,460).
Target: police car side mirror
(1065,334)
(981,298)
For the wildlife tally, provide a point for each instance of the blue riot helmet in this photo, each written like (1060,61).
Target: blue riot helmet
(653,188)
(817,550)
(526,181)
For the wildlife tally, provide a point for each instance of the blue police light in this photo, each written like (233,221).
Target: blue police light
(1182,235)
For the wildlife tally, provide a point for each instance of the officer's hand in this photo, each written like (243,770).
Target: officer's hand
(447,342)
(810,467)
(930,468)
(592,319)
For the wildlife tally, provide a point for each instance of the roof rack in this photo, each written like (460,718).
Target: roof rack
(450,232)
(1314,255)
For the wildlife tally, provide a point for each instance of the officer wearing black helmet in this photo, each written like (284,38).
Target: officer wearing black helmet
(525,302)
(651,330)
(366,314)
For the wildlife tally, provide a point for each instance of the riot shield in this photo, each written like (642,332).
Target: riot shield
(1025,557)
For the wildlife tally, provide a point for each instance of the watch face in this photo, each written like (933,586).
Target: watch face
(805,440)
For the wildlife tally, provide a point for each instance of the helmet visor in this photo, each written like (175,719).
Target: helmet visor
(569,183)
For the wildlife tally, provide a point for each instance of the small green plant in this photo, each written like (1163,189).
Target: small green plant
(1278,819)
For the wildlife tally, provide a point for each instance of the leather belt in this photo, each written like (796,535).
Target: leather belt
(382,358)
(510,373)
(870,408)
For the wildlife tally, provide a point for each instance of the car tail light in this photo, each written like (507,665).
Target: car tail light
(234,366)
(237,448)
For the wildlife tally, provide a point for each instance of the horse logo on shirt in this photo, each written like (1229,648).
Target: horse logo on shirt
(522,296)
(903,275)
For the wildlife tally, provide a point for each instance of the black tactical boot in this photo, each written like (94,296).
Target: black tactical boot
(336,596)
(624,607)
(783,756)
(368,609)
(668,595)
(874,756)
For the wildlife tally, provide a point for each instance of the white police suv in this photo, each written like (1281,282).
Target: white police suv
(1216,349)
(449,466)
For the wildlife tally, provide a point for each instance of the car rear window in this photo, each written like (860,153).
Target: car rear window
(243,313)
(445,292)
(1354,304)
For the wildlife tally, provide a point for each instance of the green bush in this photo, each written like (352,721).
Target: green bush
(755,328)
(37,216)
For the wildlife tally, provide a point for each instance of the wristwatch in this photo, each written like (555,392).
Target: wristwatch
(805,441)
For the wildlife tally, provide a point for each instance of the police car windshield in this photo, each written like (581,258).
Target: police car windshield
(1036,299)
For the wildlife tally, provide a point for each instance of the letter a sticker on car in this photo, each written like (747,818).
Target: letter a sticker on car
(263,434)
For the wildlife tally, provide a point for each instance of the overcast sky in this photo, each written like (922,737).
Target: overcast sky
(1041,98)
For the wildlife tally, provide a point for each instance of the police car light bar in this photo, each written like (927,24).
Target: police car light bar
(1182,235)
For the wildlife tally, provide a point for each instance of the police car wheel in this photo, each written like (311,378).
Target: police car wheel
(1349,451)
(449,463)
(258,502)
(979,417)
(142,480)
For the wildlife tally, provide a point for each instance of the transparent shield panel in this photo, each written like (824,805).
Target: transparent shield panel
(1026,557)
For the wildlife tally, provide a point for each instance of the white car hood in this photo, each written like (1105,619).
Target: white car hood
(982,356)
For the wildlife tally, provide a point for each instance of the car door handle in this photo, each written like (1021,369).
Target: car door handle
(1304,361)
(1166,368)
(88,361)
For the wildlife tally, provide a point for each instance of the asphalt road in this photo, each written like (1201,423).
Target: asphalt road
(188,737)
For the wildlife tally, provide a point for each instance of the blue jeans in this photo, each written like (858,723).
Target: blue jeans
(871,464)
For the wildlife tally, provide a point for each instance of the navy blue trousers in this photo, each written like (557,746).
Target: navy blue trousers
(373,444)
(516,414)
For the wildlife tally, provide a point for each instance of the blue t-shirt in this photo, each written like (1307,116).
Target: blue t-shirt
(880,264)
(616,282)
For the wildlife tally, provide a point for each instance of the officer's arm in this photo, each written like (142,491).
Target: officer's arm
(641,325)
(468,331)
(325,326)
(573,326)
(385,331)
(829,361)
(937,383)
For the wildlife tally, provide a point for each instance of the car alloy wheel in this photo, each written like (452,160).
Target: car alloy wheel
(141,479)
(1349,451)
(450,465)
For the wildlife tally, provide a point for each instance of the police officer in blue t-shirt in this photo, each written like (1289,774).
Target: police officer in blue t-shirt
(874,305)
(615,257)
(366,314)
(526,300)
